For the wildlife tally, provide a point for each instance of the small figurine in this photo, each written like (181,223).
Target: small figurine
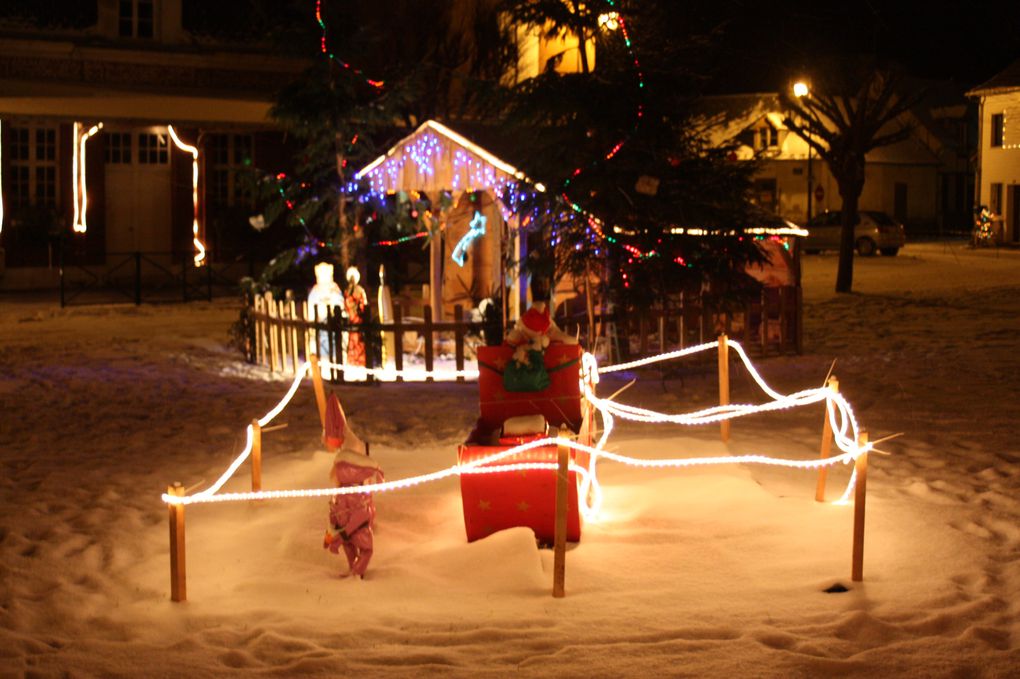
(355,301)
(323,295)
(532,333)
(351,515)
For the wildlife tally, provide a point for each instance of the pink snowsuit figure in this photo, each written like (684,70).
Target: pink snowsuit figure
(351,516)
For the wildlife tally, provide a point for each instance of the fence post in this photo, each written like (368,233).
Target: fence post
(398,340)
(184,279)
(429,358)
(317,386)
(764,323)
(256,456)
(724,384)
(826,447)
(178,573)
(208,276)
(798,327)
(458,339)
(560,531)
(860,493)
(138,278)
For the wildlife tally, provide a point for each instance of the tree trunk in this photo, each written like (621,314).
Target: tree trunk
(848,218)
(851,185)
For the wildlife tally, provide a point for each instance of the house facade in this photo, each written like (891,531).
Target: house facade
(998,177)
(923,181)
(124,129)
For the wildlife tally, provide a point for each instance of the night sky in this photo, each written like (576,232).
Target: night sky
(764,41)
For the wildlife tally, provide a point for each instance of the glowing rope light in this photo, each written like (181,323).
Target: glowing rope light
(79,185)
(199,246)
(590,489)
(476,231)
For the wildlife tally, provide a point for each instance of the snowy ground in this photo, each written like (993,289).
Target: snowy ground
(704,572)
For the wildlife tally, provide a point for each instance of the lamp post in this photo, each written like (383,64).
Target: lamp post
(800,90)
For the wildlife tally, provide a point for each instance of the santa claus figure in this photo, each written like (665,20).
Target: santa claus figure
(534,331)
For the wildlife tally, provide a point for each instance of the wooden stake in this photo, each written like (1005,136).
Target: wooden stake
(560,536)
(256,456)
(724,384)
(320,391)
(860,492)
(826,448)
(178,574)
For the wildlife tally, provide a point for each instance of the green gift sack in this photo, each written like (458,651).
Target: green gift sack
(530,377)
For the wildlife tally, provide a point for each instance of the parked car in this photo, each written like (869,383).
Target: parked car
(874,232)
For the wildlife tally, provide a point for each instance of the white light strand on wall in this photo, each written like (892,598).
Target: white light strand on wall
(79,184)
(1,176)
(199,245)
(839,412)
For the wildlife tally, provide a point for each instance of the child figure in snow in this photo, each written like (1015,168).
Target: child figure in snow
(530,336)
(352,515)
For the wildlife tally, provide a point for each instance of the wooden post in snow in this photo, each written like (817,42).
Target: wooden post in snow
(178,574)
(860,492)
(724,384)
(320,391)
(256,456)
(826,447)
(560,535)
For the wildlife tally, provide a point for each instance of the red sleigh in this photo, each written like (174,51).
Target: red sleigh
(495,501)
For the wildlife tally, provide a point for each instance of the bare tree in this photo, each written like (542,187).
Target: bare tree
(855,108)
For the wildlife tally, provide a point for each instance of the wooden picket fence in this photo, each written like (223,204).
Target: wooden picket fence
(286,332)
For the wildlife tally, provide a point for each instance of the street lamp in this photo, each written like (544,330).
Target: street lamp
(800,90)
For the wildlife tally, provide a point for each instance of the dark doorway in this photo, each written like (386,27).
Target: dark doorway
(900,202)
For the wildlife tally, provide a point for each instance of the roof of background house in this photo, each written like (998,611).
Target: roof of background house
(1006,80)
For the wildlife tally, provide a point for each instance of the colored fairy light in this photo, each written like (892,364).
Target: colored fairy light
(199,245)
(476,231)
(79,185)
(841,417)
(324,48)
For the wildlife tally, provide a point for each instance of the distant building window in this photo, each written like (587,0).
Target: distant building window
(227,155)
(33,158)
(152,149)
(998,127)
(995,199)
(118,148)
(136,19)
(767,137)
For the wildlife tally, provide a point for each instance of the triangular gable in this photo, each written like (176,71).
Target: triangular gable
(435,158)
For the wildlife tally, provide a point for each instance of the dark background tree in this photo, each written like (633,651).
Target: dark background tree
(616,142)
(854,106)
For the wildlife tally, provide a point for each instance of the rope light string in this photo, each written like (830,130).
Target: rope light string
(841,418)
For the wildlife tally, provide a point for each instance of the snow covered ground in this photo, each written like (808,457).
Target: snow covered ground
(702,572)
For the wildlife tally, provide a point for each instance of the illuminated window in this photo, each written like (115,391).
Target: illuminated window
(998,126)
(152,149)
(227,155)
(118,148)
(136,19)
(33,169)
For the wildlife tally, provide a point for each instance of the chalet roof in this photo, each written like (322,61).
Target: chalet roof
(1007,80)
(434,158)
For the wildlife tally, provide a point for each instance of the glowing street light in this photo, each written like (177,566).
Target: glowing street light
(801,90)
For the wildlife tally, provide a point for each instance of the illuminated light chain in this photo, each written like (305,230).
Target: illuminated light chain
(199,245)
(590,490)
(378,84)
(476,231)
(79,185)
(1,177)
(403,239)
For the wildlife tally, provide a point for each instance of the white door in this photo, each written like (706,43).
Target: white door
(138,191)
